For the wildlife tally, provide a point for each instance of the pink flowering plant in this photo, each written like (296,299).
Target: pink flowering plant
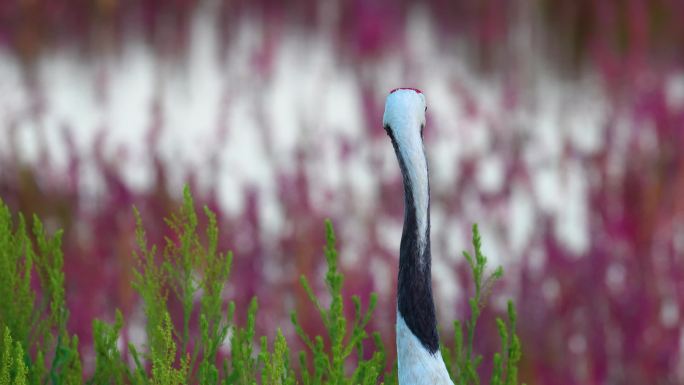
(608,311)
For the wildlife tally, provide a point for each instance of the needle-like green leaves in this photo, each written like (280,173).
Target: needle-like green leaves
(203,343)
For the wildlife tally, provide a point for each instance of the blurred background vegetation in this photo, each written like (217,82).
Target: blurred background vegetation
(556,125)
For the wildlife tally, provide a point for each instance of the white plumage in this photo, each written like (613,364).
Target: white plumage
(416,365)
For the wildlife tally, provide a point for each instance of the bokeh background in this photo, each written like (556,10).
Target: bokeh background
(558,126)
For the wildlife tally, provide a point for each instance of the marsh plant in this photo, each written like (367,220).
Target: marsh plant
(189,272)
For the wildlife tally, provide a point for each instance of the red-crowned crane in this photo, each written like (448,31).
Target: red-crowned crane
(418,356)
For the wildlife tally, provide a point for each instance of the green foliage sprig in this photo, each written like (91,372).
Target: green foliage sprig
(13,369)
(185,268)
(329,364)
(109,366)
(39,328)
(461,360)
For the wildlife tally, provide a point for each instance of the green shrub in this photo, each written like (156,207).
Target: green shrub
(190,266)
(36,322)
(461,361)
(12,367)
(329,364)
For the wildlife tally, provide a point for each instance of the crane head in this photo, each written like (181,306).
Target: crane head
(404,118)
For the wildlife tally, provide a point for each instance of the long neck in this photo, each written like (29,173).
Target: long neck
(415,302)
